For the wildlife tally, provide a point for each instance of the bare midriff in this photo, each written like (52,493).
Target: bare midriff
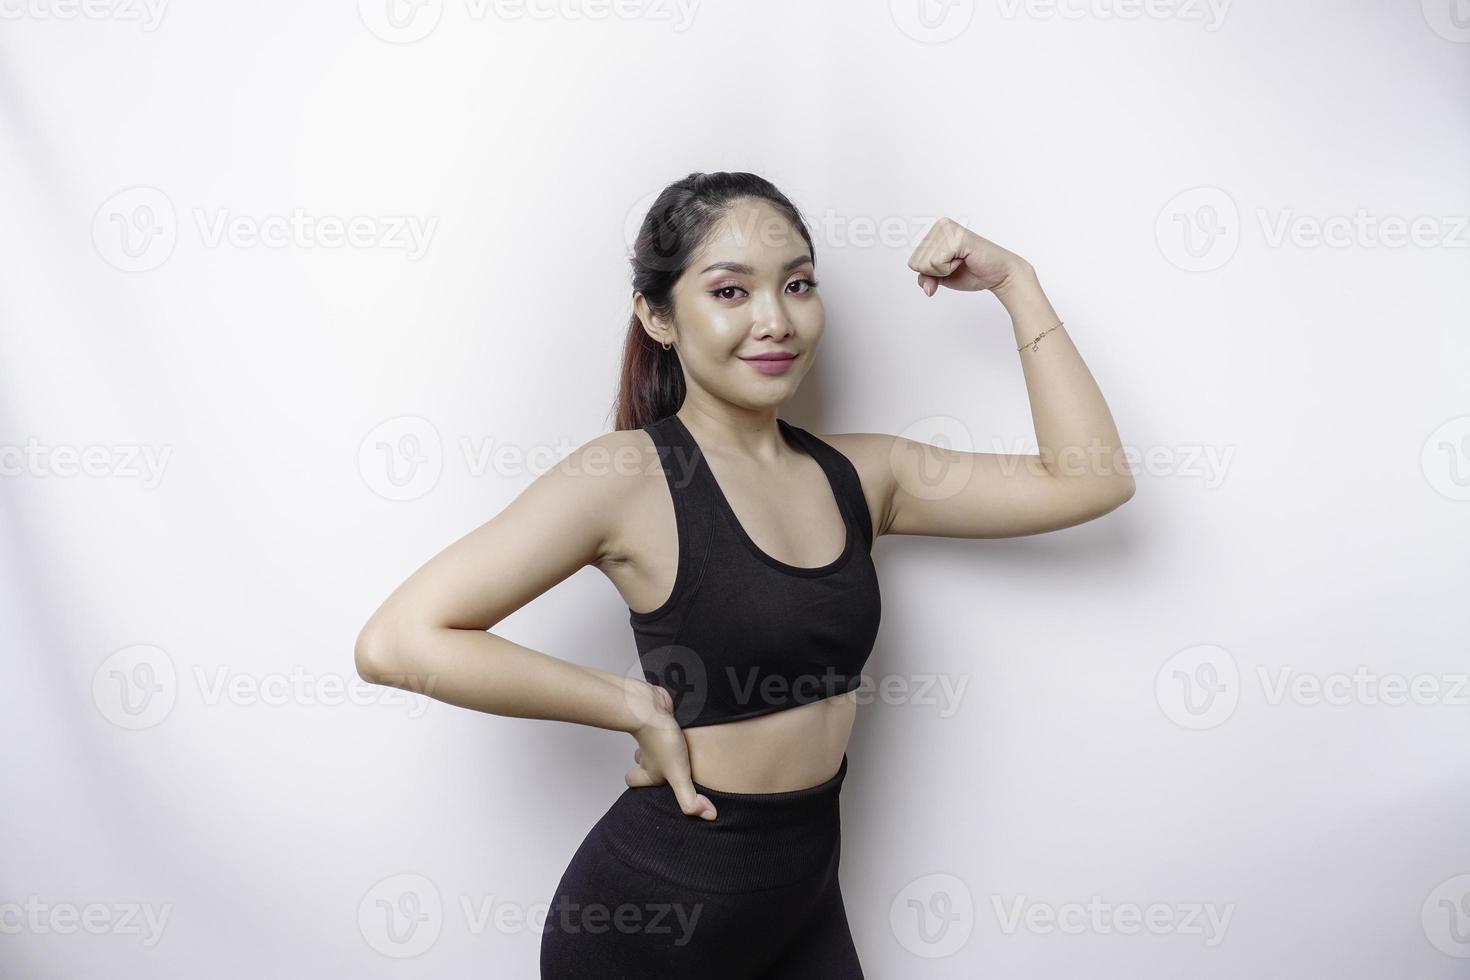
(785,750)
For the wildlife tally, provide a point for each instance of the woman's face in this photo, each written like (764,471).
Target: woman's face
(750,291)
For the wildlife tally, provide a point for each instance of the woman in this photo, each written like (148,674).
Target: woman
(742,547)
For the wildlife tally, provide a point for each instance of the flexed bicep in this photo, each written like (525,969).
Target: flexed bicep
(934,490)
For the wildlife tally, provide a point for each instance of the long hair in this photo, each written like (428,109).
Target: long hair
(651,384)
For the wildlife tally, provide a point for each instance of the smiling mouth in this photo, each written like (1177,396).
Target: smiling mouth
(771,364)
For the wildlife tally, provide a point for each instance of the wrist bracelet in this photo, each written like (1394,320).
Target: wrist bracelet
(1043,333)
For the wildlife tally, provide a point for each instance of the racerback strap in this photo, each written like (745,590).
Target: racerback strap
(845,478)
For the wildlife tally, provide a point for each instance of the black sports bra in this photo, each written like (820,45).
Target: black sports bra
(743,634)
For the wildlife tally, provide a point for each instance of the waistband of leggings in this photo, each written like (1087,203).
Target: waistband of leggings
(756,841)
(811,799)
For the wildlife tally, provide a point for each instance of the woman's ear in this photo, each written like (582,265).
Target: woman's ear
(656,329)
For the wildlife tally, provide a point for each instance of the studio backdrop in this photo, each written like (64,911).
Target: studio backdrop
(297,294)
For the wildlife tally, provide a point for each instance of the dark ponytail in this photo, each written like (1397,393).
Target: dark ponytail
(651,385)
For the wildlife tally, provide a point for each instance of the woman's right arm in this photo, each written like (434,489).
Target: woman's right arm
(431,634)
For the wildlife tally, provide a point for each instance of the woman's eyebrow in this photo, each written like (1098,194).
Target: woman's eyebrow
(745,270)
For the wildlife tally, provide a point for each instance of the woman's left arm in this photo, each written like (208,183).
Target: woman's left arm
(1080,473)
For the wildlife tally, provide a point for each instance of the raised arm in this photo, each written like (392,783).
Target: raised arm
(1080,473)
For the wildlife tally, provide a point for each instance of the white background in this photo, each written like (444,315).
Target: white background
(183,731)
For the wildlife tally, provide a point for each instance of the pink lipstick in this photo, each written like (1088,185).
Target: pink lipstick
(775,362)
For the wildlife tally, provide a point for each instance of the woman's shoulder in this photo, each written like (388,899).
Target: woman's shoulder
(867,451)
(619,458)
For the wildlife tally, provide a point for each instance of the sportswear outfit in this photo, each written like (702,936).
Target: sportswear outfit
(655,894)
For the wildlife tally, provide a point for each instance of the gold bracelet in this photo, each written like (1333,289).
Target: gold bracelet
(1043,333)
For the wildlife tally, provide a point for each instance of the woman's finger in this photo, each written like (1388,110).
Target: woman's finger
(692,802)
(943,264)
(639,777)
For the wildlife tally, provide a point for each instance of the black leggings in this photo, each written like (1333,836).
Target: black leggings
(653,894)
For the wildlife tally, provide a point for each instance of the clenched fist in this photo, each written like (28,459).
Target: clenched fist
(954,256)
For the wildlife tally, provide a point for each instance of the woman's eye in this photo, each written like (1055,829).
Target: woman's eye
(723,292)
